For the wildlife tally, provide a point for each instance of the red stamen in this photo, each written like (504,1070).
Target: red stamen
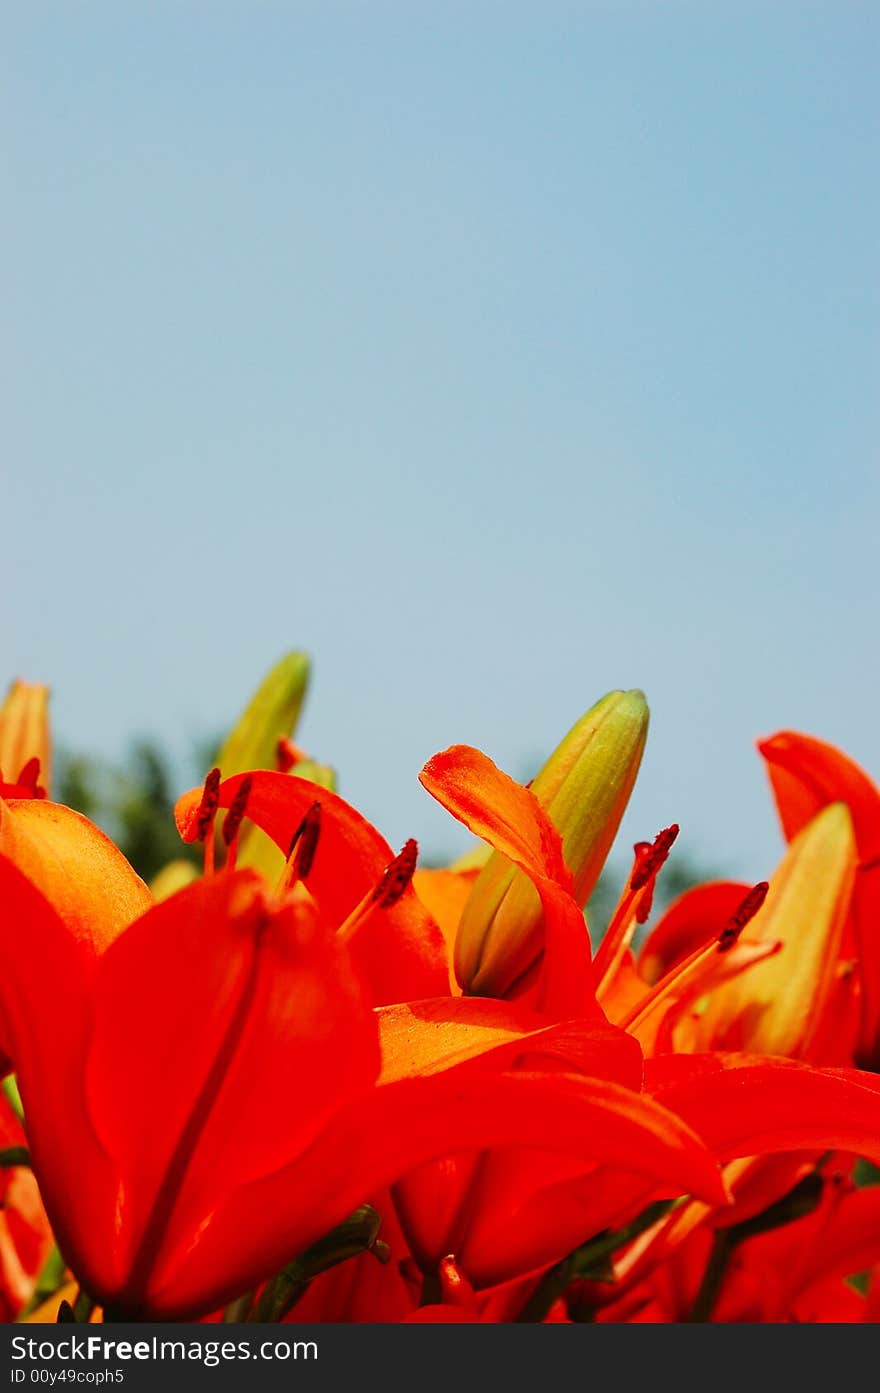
(742,916)
(205,814)
(304,842)
(634,904)
(301,851)
(233,820)
(397,876)
(208,806)
(650,856)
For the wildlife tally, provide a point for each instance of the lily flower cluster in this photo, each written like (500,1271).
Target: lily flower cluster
(316,1082)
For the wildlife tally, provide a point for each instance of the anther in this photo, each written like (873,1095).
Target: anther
(208,806)
(741,916)
(651,855)
(304,842)
(233,819)
(397,876)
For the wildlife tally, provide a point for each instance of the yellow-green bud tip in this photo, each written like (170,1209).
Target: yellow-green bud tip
(585,786)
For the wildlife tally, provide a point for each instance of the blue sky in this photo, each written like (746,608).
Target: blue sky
(496,354)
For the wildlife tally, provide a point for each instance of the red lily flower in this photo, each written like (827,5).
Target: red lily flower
(508,818)
(92,887)
(806,775)
(172,1209)
(792,1272)
(458,1026)
(397,949)
(25,1236)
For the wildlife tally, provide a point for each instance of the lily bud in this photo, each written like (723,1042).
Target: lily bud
(324,775)
(270,716)
(584,787)
(272,711)
(776,1006)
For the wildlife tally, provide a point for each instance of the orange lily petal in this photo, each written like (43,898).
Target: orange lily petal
(498,809)
(373,1141)
(746,1105)
(399,949)
(259,1000)
(423,1038)
(351,854)
(420,1038)
(44,993)
(444,894)
(806,774)
(777,1006)
(86,879)
(511,820)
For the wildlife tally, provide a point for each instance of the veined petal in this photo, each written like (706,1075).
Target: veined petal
(420,1038)
(806,774)
(45,1002)
(511,820)
(497,809)
(582,790)
(84,876)
(399,949)
(88,882)
(373,1141)
(351,855)
(263,1033)
(776,1007)
(539,1214)
(444,894)
(747,1105)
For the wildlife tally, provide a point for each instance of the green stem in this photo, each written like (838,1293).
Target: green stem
(83,1306)
(704,1303)
(12,1096)
(548,1290)
(15,1156)
(50,1277)
(238,1311)
(592,1261)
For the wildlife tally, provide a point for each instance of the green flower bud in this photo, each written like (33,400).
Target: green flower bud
(584,787)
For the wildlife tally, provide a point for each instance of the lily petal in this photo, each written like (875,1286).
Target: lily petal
(746,1105)
(509,817)
(399,949)
(776,1007)
(372,1142)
